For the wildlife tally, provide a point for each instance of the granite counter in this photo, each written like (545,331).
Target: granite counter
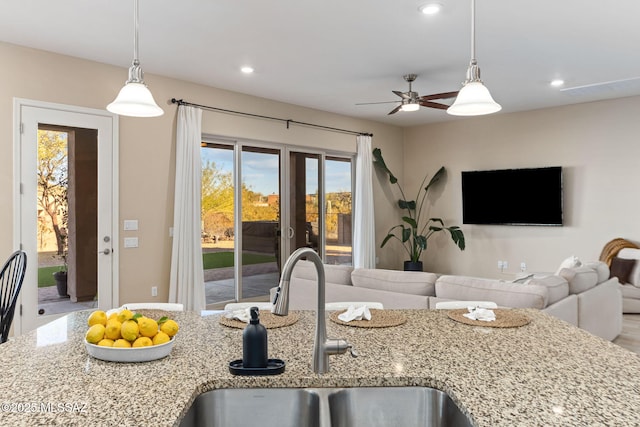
(545,373)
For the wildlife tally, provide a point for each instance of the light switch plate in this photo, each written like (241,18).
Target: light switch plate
(130,224)
(130,242)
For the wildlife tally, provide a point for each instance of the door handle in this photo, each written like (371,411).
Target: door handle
(290,232)
(107,251)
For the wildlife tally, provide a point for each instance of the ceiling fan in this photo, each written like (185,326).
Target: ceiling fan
(411,101)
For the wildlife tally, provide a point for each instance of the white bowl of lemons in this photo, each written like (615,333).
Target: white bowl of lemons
(124,336)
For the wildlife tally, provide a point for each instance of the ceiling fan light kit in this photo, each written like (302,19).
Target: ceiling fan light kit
(135,99)
(474,98)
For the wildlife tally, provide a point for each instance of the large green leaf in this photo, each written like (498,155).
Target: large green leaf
(406,234)
(457,236)
(421,241)
(412,222)
(379,162)
(435,178)
(386,239)
(403,204)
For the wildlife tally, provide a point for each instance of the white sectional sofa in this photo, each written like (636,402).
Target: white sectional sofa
(584,296)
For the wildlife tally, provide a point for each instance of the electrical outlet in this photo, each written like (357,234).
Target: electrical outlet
(505,265)
(500,265)
(154,291)
(523,266)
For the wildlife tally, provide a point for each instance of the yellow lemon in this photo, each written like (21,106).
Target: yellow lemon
(97,317)
(148,327)
(129,330)
(142,342)
(106,342)
(122,343)
(124,315)
(95,333)
(161,338)
(170,327)
(112,330)
(113,315)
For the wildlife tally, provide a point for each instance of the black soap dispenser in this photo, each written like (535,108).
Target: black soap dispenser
(254,342)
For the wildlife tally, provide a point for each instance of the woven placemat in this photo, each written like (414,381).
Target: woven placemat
(379,319)
(268,320)
(505,318)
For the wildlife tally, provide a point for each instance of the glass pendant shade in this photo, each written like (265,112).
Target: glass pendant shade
(410,107)
(135,100)
(474,99)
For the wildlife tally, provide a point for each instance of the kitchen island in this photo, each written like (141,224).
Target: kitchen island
(547,373)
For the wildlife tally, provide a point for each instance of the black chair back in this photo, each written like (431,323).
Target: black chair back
(11,277)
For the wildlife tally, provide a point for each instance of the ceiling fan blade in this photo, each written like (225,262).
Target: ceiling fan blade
(383,102)
(443,95)
(434,105)
(395,110)
(401,94)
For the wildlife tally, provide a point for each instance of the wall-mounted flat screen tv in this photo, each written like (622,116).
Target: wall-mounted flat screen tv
(530,196)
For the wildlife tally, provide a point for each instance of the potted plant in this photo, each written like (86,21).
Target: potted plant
(61,280)
(413,233)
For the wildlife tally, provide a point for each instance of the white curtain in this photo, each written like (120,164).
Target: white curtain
(364,245)
(186,284)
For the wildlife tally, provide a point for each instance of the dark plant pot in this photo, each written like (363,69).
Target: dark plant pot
(61,282)
(413,266)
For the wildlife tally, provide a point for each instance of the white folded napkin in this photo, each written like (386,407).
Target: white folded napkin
(242,314)
(355,313)
(478,313)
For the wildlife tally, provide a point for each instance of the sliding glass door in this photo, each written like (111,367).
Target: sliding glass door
(259,204)
(260,227)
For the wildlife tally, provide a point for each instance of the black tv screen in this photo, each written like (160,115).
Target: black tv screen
(513,196)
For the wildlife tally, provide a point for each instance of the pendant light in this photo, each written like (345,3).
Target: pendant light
(474,98)
(134,98)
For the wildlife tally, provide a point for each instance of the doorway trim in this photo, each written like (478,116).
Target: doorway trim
(18,105)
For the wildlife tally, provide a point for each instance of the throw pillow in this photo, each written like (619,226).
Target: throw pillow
(621,268)
(571,262)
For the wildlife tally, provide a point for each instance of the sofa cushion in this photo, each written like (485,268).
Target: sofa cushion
(630,253)
(630,291)
(339,274)
(622,268)
(601,268)
(557,287)
(406,282)
(580,278)
(504,294)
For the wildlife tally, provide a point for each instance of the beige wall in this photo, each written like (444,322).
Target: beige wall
(597,144)
(147,147)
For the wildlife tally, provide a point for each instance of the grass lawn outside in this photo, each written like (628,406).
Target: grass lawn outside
(45,276)
(209,260)
(225,259)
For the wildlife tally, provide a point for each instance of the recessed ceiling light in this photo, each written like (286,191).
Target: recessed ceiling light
(430,8)
(557,83)
(247,70)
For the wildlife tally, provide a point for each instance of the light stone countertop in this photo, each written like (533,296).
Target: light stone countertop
(547,373)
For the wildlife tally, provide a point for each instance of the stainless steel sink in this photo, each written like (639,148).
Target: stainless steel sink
(264,407)
(325,407)
(394,406)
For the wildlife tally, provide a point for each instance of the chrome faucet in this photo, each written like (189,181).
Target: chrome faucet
(322,347)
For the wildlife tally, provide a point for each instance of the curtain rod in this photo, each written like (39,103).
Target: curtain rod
(287,121)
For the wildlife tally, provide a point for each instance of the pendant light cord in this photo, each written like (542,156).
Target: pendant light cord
(473,30)
(135,31)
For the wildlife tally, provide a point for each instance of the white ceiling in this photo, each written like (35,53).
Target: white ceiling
(332,54)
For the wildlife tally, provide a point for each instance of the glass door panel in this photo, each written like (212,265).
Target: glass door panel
(338,210)
(260,225)
(305,201)
(217,237)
